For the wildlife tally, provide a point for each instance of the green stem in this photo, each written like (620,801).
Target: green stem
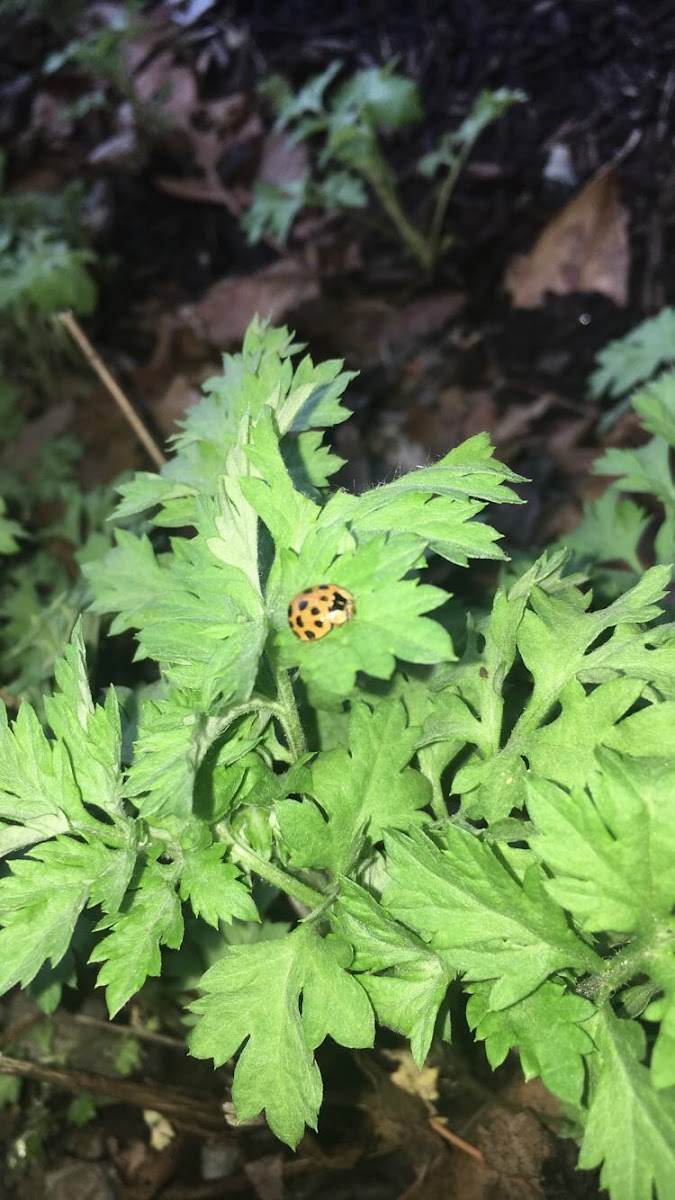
(628,962)
(377,174)
(406,231)
(275,875)
(409,235)
(286,711)
(438,805)
(254,704)
(442,201)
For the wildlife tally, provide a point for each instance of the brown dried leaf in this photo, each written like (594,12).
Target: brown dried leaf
(203,191)
(171,406)
(418,1081)
(514,1146)
(217,128)
(223,314)
(266,1176)
(583,249)
(282,160)
(169,88)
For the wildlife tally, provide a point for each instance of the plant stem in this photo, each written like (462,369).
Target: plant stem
(275,875)
(375,170)
(409,235)
(286,712)
(442,201)
(626,964)
(438,805)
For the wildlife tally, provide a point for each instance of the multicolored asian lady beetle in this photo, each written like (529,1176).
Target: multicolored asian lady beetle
(313,613)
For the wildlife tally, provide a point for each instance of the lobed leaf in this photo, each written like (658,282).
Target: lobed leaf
(479,918)
(279,1000)
(630,1130)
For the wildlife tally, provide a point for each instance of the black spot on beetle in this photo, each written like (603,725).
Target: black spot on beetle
(309,634)
(315,611)
(298,621)
(302,605)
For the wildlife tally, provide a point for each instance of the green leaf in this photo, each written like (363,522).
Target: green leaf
(147,490)
(42,898)
(49,787)
(648,655)
(388,621)
(338,189)
(310,464)
(655,405)
(470,709)
(491,788)
(214,888)
(635,357)
(151,918)
(10,532)
(129,581)
(91,733)
(645,469)
(128,1056)
(81,1110)
(309,99)
(611,528)
(662,971)
(208,628)
(39,797)
(173,739)
(631,1127)
(487,107)
(286,512)
(273,209)
(313,399)
(610,849)
(564,749)
(470,470)
(547,1029)
(405,980)
(363,791)
(384,98)
(479,918)
(555,634)
(444,524)
(279,1000)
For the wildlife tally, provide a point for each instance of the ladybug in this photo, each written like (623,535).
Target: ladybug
(313,613)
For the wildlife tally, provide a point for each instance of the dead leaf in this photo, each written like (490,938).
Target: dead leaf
(419,320)
(219,128)
(181,394)
(169,88)
(266,1175)
(186,12)
(583,249)
(422,1082)
(367,331)
(162,1132)
(514,1144)
(223,314)
(122,151)
(282,160)
(36,434)
(203,191)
